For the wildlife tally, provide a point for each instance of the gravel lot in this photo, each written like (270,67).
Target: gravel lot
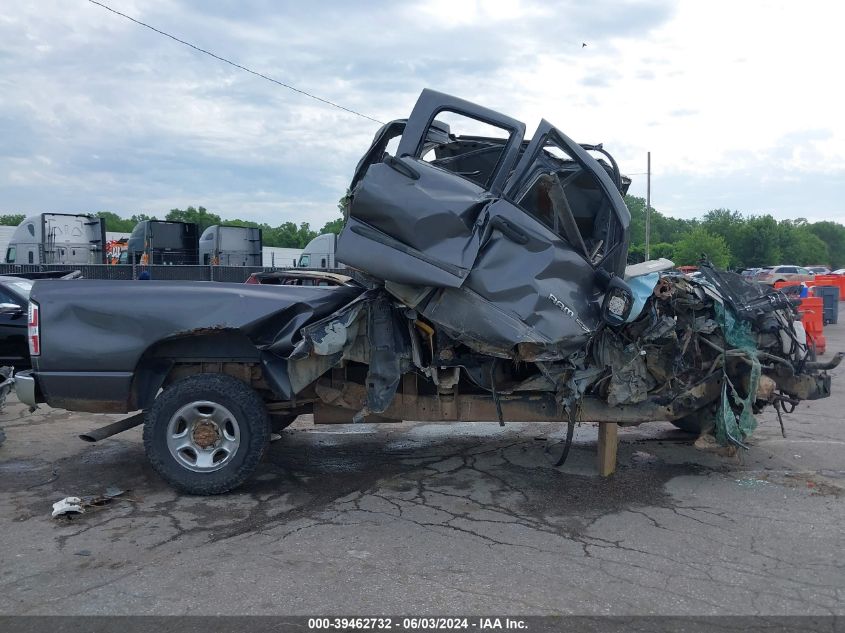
(434,519)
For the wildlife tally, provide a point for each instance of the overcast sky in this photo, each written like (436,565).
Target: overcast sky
(740,102)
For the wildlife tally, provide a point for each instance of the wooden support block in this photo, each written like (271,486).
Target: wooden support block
(608,441)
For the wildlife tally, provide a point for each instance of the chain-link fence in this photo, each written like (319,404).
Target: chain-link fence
(175,273)
(235,274)
(90,271)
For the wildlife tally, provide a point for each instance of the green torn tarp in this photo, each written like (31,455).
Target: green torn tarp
(735,420)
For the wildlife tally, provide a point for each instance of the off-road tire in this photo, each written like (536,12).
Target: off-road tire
(245,405)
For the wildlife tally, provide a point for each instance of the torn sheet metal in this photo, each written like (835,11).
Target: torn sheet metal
(333,333)
(325,343)
(630,381)
(387,347)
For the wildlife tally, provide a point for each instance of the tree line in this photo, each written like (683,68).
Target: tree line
(729,238)
(733,240)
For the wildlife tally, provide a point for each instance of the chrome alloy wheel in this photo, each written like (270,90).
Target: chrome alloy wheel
(203,436)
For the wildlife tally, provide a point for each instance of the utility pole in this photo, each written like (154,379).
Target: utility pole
(648,210)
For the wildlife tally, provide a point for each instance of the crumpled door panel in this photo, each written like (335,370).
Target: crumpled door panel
(522,276)
(386,258)
(421,221)
(526,288)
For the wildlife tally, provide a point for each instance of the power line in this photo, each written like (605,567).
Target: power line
(235,64)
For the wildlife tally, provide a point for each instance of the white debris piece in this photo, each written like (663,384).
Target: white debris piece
(67,505)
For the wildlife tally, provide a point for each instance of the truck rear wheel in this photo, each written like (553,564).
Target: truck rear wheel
(206,434)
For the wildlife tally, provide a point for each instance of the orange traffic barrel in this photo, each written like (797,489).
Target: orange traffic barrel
(812,313)
(826,280)
(785,284)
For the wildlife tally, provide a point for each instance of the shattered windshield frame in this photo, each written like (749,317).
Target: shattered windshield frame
(484,161)
(542,186)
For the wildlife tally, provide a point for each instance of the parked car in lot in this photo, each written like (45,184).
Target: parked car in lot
(14,298)
(773,274)
(300,278)
(819,270)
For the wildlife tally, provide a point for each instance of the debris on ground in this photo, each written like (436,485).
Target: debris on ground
(112,492)
(77,505)
(68,505)
(707,442)
(751,482)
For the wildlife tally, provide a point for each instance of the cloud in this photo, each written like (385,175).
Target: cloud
(599,78)
(98,113)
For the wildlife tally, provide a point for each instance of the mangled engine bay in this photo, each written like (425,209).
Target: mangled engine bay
(499,290)
(688,358)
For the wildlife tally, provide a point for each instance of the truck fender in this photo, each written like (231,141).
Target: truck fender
(157,362)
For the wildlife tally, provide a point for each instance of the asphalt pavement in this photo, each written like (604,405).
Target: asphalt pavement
(421,518)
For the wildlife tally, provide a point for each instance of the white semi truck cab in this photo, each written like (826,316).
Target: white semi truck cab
(58,238)
(230,246)
(320,253)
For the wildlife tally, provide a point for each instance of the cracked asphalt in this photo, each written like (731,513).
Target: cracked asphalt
(434,519)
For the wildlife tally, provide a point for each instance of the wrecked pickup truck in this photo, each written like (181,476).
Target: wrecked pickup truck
(497,290)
